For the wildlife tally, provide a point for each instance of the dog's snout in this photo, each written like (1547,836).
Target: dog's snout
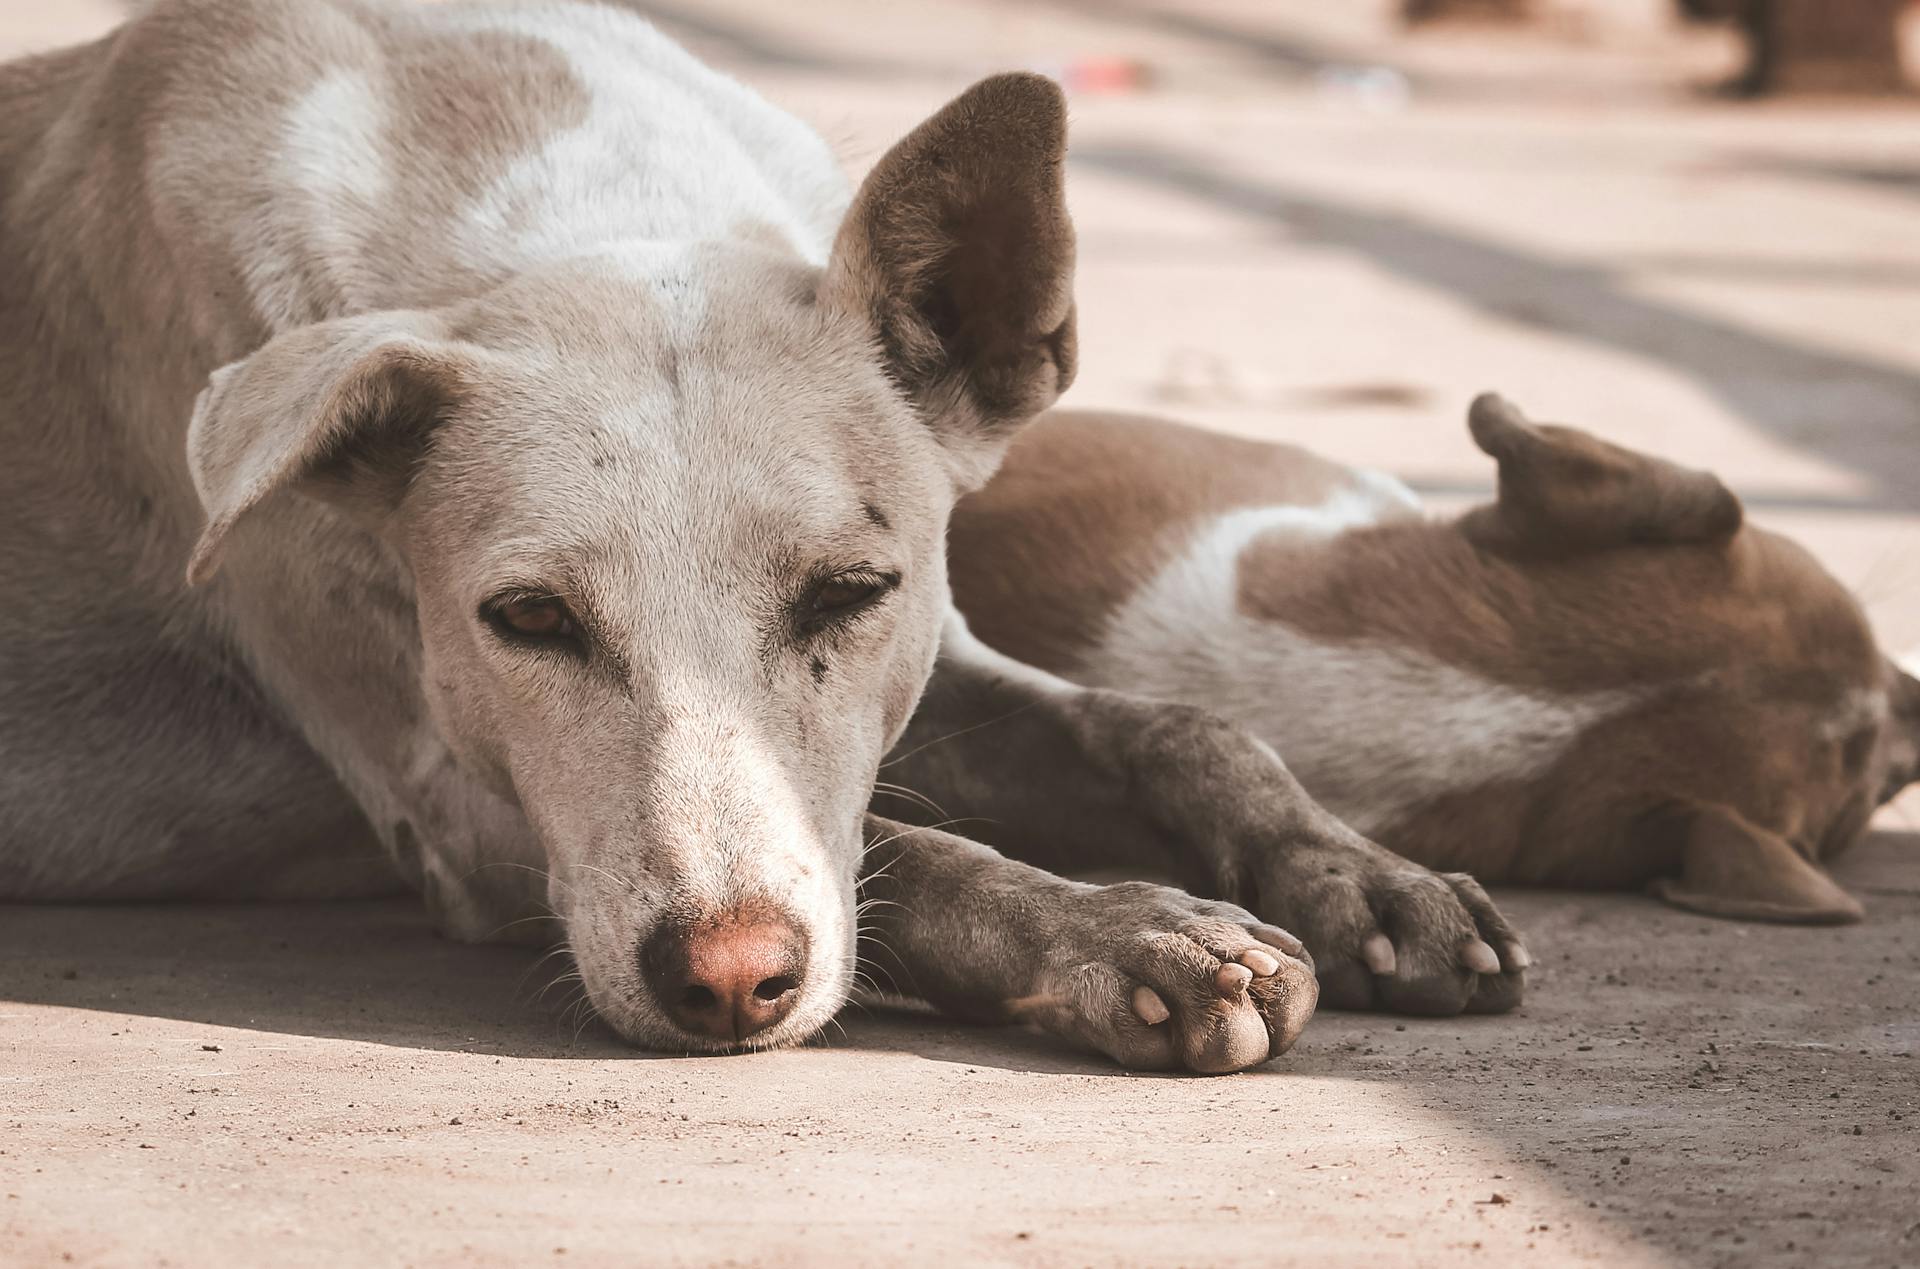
(726,977)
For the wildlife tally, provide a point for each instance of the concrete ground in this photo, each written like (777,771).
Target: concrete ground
(1304,225)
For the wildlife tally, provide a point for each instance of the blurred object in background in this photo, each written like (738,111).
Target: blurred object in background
(1815,46)
(1381,89)
(1825,47)
(1098,73)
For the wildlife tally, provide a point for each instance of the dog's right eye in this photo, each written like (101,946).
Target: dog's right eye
(533,618)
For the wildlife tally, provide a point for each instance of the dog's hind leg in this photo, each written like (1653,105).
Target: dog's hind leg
(1081,780)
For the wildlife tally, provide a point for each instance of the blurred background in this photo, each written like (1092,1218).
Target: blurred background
(1691,225)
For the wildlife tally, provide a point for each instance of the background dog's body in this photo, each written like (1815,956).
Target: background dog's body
(1605,679)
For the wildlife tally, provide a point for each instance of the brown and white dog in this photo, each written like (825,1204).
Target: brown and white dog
(561,457)
(1606,678)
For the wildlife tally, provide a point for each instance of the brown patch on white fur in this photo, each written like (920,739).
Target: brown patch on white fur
(1090,506)
(1635,616)
(1648,657)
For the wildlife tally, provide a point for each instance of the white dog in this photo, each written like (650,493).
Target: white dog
(562,462)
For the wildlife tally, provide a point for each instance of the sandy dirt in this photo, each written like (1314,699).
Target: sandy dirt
(332,1084)
(1308,227)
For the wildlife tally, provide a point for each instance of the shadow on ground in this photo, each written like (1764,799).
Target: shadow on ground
(374,972)
(1664,1061)
(1857,412)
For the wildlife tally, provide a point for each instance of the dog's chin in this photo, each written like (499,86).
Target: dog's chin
(639,1025)
(625,1007)
(789,1033)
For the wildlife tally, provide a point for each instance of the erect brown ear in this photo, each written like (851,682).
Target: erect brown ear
(341,409)
(958,252)
(1730,868)
(1562,489)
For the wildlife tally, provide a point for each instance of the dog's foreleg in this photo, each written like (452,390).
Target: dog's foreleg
(1080,780)
(1152,977)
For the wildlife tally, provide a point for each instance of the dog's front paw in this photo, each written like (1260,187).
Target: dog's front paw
(1386,933)
(1159,980)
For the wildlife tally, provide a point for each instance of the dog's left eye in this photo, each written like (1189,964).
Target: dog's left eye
(842,595)
(543,617)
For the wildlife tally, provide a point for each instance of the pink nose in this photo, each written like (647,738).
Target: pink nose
(728,977)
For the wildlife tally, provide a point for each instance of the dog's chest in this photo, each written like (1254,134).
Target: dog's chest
(1373,729)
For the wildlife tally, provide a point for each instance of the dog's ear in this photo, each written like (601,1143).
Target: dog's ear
(958,253)
(1730,868)
(339,410)
(1564,490)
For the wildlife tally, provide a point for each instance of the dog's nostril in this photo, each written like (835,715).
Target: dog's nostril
(729,975)
(771,989)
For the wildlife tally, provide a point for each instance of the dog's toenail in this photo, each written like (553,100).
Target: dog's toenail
(1231,979)
(1261,963)
(1518,957)
(1478,957)
(1147,1003)
(1288,945)
(1377,952)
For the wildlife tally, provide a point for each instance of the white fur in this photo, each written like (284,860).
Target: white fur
(1373,730)
(960,645)
(1858,709)
(331,161)
(645,165)
(603,259)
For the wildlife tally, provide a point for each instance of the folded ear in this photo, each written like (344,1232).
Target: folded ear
(959,254)
(1730,868)
(1562,489)
(340,410)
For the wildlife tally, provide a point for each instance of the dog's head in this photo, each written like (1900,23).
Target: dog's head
(1765,693)
(675,522)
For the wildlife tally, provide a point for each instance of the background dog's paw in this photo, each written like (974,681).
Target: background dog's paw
(1388,934)
(1159,980)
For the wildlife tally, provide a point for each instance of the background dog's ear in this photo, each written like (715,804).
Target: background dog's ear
(340,410)
(958,253)
(1562,489)
(1730,868)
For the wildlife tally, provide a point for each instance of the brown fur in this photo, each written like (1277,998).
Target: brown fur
(1597,572)
(958,228)
(1088,507)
